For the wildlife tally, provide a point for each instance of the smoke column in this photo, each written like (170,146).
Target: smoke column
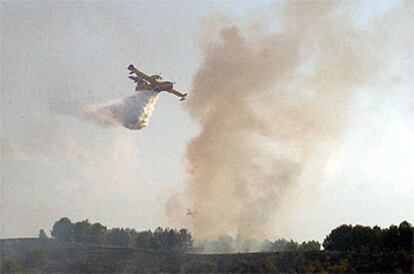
(270,107)
(133,112)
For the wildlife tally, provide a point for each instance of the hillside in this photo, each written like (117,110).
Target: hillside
(50,256)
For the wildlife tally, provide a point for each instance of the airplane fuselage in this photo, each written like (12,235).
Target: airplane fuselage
(162,86)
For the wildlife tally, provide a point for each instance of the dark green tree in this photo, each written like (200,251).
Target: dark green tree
(310,246)
(391,238)
(81,231)
(406,231)
(133,234)
(97,234)
(363,238)
(42,234)
(63,230)
(145,239)
(119,237)
(292,246)
(186,240)
(340,239)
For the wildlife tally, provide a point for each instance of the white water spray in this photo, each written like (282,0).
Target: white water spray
(133,112)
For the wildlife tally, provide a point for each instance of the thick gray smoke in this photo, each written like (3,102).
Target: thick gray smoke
(270,107)
(133,112)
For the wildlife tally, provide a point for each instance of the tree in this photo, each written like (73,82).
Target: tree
(339,239)
(81,231)
(42,234)
(63,230)
(145,239)
(363,238)
(406,231)
(366,239)
(97,234)
(118,236)
(292,246)
(186,240)
(310,246)
(166,240)
(133,234)
(391,238)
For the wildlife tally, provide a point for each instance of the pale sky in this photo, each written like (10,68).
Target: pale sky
(58,56)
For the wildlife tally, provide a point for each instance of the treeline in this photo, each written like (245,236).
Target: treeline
(346,249)
(162,240)
(227,244)
(371,239)
(345,238)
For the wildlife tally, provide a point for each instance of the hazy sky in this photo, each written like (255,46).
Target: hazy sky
(59,56)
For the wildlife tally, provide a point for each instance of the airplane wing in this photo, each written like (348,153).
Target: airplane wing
(133,69)
(179,94)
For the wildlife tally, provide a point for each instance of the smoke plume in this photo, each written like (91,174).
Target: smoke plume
(270,107)
(133,112)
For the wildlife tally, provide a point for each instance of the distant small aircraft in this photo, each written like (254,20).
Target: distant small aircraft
(145,82)
(191,213)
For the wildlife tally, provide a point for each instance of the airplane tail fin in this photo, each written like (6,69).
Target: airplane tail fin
(183,97)
(133,78)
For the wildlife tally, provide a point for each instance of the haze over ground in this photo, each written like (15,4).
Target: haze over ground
(57,57)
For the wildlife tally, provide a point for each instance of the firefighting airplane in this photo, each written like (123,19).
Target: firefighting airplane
(145,82)
(191,213)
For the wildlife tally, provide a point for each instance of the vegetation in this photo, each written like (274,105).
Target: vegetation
(83,247)
(226,244)
(42,234)
(161,240)
(366,239)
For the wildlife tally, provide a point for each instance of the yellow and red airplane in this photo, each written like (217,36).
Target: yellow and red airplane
(145,82)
